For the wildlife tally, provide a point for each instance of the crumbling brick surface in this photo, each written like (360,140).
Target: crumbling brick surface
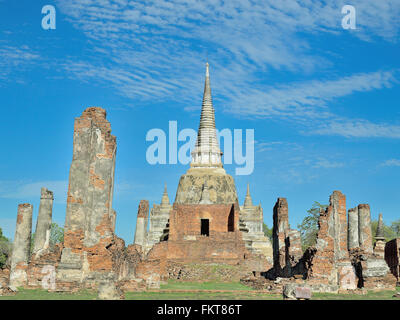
(279,234)
(41,266)
(141,223)
(392,256)
(4,277)
(324,261)
(186,243)
(372,271)
(364,227)
(90,219)
(4,283)
(286,242)
(294,251)
(143,211)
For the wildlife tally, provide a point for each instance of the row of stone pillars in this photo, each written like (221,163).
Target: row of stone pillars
(23,235)
(359,228)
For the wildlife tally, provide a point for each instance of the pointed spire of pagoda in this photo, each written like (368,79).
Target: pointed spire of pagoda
(207,152)
(248,201)
(165,198)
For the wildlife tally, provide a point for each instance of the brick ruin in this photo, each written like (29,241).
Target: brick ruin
(286,242)
(343,258)
(252,217)
(392,257)
(21,246)
(368,260)
(328,262)
(91,252)
(158,222)
(203,234)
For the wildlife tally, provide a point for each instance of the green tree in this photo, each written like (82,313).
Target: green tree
(388,231)
(309,226)
(267,231)
(5,249)
(56,234)
(395,226)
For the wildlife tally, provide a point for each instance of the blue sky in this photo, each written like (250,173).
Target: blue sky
(323,101)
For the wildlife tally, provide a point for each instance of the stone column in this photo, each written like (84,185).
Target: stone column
(141,222)
(43,225)
(353,241)
(295,251)
(21,246)
(364,228)
(338,206)
(89,219)
(279,234)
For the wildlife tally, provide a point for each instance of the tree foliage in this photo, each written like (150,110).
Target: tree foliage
(56,234)
(267,231)
(395,226)
(309,226)
(390,232)
(5,249)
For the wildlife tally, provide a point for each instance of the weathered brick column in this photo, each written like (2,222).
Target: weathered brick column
(287,249)
(21,246)
(364,228)
(338,205)
(353,241)
(329,263)
(141,222)
(295,251)
(279,234)
(89,221)
(43,225)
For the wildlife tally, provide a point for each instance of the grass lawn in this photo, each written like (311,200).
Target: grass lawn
(39,294)
(234,291)
(371,295)
(211,285)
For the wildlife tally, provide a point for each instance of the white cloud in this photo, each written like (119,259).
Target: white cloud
(391,163)
(12,58)
(305,100)
(152,45)
(327,164)
(30,190)
(154,50)
(358,128)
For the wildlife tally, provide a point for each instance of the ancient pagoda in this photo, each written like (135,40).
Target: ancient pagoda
(206,165)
